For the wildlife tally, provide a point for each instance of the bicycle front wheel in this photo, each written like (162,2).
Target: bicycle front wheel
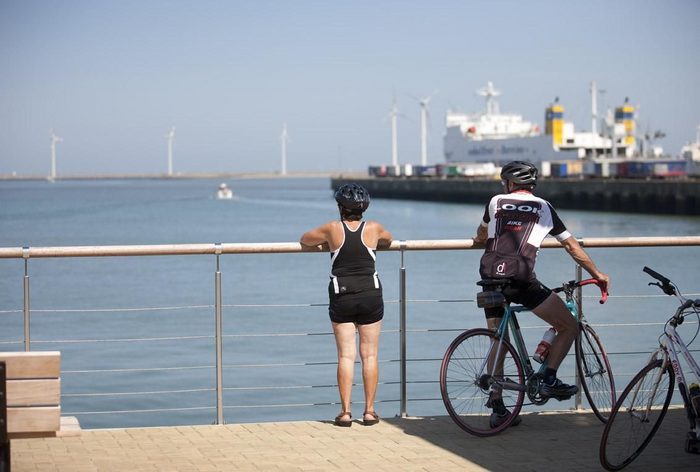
(637,415)
(595,373)
(476,369)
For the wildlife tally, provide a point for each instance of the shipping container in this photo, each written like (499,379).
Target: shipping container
(377,171)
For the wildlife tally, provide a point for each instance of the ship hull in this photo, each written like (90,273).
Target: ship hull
(534,149)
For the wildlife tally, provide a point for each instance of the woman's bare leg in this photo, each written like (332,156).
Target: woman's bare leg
(347,351)
(369,350)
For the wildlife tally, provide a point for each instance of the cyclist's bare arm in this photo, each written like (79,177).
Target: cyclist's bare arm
(579,255)
(481,235)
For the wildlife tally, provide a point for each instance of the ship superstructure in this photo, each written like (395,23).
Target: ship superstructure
(492,136)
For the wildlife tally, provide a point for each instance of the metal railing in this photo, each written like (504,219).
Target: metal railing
(219,249)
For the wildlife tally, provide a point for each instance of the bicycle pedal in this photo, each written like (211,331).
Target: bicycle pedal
(562,398)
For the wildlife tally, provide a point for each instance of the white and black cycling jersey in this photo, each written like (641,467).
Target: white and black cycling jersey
(517,224)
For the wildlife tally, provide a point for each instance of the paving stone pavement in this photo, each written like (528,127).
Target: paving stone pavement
(566,441)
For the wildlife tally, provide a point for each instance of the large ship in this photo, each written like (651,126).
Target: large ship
(492,136)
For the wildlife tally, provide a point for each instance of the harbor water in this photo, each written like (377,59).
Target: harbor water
(137,333)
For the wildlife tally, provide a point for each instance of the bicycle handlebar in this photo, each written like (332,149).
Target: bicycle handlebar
(666,285)
(573,284)
(656,275)
(601,285)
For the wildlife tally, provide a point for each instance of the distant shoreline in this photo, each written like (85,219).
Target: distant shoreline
(187,176)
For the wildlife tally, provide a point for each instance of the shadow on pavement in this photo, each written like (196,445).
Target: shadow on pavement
(552,441)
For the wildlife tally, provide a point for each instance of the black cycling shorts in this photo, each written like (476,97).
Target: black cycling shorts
(529,294)
(360,308)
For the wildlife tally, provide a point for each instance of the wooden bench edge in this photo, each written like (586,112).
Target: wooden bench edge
(70,427)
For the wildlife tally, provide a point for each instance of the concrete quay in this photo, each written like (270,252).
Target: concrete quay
(681,197)
(550,441)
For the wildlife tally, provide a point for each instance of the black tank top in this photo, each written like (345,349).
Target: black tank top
(353,263)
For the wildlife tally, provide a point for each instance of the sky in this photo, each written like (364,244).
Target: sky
(112,77)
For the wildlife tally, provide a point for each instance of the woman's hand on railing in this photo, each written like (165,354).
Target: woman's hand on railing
(318,248)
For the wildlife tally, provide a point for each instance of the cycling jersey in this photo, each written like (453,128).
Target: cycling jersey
(517,223)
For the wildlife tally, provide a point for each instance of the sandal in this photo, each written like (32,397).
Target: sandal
(339,421)
(373,421)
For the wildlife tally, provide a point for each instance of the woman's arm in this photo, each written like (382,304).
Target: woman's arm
(316,236)
(384,237)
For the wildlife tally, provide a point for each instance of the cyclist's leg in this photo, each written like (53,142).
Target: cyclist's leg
(554,312)
(494,316)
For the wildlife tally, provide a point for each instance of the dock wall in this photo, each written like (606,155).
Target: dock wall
(680,197)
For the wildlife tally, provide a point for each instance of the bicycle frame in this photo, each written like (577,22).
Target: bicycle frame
(671,345)
(509,323)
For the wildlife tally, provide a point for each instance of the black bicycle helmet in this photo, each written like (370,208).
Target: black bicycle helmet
(520,173)
(352,197)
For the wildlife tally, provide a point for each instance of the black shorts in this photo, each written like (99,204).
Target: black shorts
(529,294)
(360,308)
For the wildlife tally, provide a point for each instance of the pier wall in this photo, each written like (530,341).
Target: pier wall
(680,197)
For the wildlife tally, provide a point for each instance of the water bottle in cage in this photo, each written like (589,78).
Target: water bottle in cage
(542,350)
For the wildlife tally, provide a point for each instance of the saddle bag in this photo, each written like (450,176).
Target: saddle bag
(490,299)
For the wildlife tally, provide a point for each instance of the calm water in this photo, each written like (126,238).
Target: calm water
(136,333)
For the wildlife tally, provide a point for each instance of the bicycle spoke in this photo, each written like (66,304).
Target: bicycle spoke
(636,416)
(595,373)
(471,376)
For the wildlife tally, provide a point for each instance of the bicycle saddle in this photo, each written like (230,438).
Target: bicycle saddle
(494,284)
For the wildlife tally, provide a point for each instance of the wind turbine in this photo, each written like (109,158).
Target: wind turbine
(594,107)
(394,113)
(54,139)
(284,138)
(171,138)
(423,102)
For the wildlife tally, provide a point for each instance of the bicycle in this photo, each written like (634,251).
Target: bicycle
(471,368)
(641,407)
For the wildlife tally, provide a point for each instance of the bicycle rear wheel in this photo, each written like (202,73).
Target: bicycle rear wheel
(468,378)
(637,415)
(595,372)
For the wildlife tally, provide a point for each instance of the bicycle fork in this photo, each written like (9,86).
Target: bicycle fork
(643,415)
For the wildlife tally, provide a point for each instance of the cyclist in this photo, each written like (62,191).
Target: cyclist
(355,294)
(513,227)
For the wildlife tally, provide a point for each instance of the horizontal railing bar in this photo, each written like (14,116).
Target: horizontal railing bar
(270,335)
(289,247)
(286,305)
(153,410)
(121,394)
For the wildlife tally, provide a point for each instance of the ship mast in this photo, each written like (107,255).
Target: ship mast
(489,92)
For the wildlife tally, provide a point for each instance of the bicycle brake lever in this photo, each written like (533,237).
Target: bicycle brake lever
(666,288)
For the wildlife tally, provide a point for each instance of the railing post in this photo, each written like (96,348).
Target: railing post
(219,343)
(27,340)
(579,307)
(402,329)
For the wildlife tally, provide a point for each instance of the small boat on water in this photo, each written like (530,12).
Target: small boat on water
(224,193)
